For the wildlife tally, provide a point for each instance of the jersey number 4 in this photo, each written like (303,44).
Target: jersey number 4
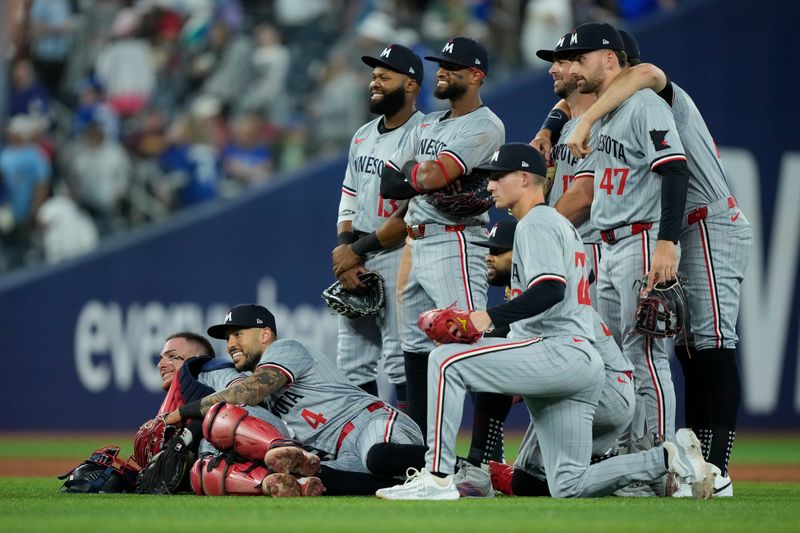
(313,419)
(619,175)
(583,283)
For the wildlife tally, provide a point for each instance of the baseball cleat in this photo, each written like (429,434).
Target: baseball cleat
(292,459)
(501,474)
(421,485)
(310,486)
(472,481)
(280,485)
(723,486)
(685,460)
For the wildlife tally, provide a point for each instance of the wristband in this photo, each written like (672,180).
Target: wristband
(347,237)
(191,410)
(368,243)
(555,122)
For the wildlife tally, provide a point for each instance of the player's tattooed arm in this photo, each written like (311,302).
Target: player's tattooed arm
(251,391)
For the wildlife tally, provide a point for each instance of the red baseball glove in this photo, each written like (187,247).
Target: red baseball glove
(150,439)
(448,326)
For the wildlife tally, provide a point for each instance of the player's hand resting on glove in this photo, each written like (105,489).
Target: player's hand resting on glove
(663,265)
(344,258)
(349,279)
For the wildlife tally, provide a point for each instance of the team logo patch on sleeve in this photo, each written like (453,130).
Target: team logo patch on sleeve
(659,139)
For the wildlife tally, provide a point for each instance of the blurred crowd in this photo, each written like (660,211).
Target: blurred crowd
(120,113)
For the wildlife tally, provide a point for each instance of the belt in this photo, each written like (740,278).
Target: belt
(719,206)
(612,236)
(349,426)
(417,231)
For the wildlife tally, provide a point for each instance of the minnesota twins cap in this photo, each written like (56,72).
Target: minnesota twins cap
(516,156)
(630,44)
(550,55)
(501,236)
(593,36)
(464,52)
(244,316)
(400,59)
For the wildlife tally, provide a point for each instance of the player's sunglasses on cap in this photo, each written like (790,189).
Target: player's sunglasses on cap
(400,59)
(501,238)
(593,36)
(461,53)
(515,156)
(242,317)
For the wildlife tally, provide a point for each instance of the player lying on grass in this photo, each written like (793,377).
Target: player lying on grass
(549,358)
(363,442)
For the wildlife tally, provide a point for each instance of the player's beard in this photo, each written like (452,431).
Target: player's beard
(591,83)
(249,362)
(454,89)
(500,279)
(391,103)
(568,87)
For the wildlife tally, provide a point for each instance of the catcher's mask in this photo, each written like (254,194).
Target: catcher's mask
(662,312)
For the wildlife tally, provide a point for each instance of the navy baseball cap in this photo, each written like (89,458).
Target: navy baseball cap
(464,52)
(593,36)
(550,55)
(400,59)
(630,44)
(242,317)
(516,156)
(502,236)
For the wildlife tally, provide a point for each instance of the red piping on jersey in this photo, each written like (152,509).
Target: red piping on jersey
(648,355)
(456,159)
(712,282)
(462,253)
(667,159)
(596,262)
(348,192)
(390,426)
(473,352)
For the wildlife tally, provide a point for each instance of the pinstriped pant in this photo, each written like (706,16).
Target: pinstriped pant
(364,341)
(621,270)
(447,268)
(386,424)
(558,371)
(714,255)
(593,255)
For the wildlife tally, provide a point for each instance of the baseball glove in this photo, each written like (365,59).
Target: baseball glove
(150,439)
(356,305)
(168,472)
(473,199)
(662,312)
(448,326)
(102,472)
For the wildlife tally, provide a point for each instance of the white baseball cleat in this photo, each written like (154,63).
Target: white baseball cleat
(723,486)
(472,481)
(685,460)
(421,485)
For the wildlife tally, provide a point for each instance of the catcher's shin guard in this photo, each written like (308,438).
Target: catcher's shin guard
(230,427)
(220,476)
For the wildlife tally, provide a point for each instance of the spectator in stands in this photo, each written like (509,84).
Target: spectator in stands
(51,26)
(191,162)
(335,108)
(26,182)
(67,230)
(247,160)
(270,67)
(99,172)
(93,109)
(125,66)
(226,62)
(544,23)
(27,95)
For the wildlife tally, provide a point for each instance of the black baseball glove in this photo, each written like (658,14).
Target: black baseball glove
(168,471)
(473,199)
(662,312)
(102,472)
(356,305)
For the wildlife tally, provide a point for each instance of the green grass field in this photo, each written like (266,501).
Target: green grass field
(34,504)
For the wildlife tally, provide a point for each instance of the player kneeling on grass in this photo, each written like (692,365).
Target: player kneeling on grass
(548,359)
(364,442)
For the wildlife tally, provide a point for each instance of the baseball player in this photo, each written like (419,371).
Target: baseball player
(715,240)
(565,163)
(443,147)
(362,440)
(177,349)
(548,358)
(397,74)
(640,177)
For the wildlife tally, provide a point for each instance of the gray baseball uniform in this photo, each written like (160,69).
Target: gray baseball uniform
(716,237)
(565,164)
(560,376)
(363,342)
(448,267)
(329,414)
(633,140)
